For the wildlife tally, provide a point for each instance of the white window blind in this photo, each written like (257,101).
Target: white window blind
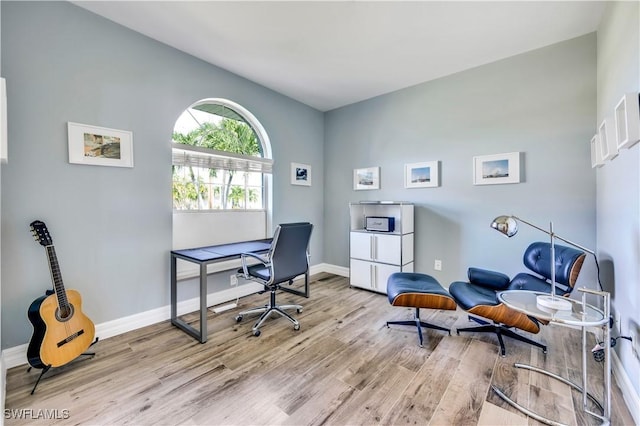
(187,155)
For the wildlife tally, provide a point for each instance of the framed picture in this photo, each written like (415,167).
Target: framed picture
(627,117)
(422,175)
(596,161)
(300,174)
(367,178)
(99,146)
(3,121)
(608,146)
(496,169)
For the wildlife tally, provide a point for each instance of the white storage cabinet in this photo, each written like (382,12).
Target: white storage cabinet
(375,255)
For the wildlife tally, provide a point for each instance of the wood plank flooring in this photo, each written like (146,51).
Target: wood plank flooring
(343,367)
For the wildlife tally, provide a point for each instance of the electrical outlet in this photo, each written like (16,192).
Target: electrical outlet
(233,280)
(437,265)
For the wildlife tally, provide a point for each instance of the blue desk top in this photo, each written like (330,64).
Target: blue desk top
(223,251)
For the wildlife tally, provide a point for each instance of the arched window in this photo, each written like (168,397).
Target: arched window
(221,162)
(220,156)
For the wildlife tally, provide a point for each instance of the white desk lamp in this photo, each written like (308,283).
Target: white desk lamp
(508,225)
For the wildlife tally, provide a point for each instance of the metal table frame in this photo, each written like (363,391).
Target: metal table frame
(203,256)
(581,315)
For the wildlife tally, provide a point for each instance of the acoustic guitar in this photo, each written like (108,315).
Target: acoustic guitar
(61,331)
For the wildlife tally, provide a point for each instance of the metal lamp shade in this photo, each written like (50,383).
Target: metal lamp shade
(507,225)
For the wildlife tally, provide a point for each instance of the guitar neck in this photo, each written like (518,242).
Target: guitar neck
(56,278)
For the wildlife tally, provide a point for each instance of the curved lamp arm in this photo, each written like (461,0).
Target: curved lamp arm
(508,225)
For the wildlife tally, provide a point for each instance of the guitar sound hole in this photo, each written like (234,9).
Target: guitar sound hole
(64,314)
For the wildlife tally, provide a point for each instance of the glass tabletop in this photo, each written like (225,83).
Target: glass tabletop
(579,315)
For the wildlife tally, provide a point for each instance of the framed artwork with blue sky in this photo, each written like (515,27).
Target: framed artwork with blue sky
(422,175)
(496,169)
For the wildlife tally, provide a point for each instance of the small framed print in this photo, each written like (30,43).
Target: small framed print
(300,174)
(627,118)
(496,169)
(608,145)
(422,175)
(99,146)
(3,121)
(596,160)
(366,178)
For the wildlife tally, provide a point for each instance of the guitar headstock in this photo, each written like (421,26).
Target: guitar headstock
(41,233)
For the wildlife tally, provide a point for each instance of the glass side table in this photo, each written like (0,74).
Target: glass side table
(581,315)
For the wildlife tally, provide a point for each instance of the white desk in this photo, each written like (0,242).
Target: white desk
(580,315)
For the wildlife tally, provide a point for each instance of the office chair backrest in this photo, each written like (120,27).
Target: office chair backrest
(537,257)
(289,251)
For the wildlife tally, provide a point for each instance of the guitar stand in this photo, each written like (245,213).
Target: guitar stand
(48,367)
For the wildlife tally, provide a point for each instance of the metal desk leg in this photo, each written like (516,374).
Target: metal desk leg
(174,289)
(187,328)
(203,302)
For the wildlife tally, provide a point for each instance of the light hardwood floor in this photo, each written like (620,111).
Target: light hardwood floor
(343,367)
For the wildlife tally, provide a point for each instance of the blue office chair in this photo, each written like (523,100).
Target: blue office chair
(478,296)
(287,258)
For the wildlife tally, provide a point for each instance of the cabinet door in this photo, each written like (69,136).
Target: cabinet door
(387,249)
(361,245)
(381,273)
(371,275)
(360,274)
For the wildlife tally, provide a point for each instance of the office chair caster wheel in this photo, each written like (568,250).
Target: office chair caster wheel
(296,326)
(256,333)
(299,310)
(238,318)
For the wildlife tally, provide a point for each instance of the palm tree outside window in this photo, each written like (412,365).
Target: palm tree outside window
(219,160)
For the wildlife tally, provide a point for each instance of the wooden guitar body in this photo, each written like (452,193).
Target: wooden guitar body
(61,331)
(57,341)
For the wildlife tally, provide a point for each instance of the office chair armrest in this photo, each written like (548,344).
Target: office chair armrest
(243,258)
(490,279)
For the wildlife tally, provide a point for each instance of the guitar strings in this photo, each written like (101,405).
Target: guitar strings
(61,297)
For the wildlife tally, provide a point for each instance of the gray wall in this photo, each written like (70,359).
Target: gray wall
(618,181)
(112,226)
(540,103)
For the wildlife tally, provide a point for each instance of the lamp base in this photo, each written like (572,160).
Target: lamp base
(550,303)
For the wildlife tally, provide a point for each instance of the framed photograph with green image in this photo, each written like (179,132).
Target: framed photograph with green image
(99,146)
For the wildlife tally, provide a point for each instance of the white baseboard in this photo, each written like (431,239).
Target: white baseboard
(631,398)
(17,355)
(333,269)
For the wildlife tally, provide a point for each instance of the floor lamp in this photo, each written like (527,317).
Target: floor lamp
(508,225)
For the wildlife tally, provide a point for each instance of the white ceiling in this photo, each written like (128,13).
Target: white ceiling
(333,53)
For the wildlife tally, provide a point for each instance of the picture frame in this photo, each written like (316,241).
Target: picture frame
(366,178)
(4,156)
(608,146)
(596,160)
(627,121)
(99,146)
(496,169)
(300,174)
(422,175)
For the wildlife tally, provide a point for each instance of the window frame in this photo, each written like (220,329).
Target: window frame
(265,144)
